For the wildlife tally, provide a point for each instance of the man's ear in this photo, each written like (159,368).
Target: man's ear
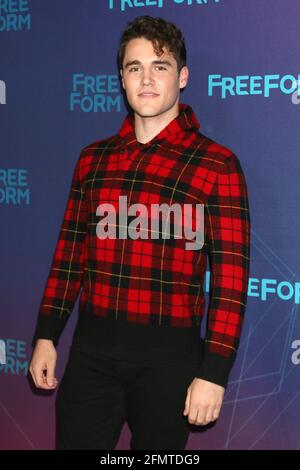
(183,76)
(121,73)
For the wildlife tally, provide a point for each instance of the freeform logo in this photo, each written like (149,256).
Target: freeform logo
(14,186)
(16,361)
(95,93)
(242,85)
(14,15)
(2,92)
(264,289)
(184,222)
(123,4)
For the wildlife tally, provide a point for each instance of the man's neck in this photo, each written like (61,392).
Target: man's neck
(148,127)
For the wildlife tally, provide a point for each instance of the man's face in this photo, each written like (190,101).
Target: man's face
(151,82)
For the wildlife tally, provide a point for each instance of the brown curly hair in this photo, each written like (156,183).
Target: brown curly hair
(160,32)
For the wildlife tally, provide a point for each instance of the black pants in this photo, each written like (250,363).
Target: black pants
(98,394)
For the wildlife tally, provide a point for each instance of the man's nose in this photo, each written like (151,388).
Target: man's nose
(147,77)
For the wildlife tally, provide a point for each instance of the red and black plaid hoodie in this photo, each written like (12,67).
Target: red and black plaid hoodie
(143,298)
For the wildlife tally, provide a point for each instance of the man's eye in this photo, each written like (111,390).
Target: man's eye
(159,67)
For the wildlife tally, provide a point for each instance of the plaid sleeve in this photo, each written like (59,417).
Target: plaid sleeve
(227,229)
(67,268)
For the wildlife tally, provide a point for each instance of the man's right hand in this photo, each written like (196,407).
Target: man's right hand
(42,366)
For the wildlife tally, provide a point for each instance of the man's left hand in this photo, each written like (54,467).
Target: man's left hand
(203,401)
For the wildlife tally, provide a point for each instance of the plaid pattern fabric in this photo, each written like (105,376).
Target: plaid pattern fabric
(148,292)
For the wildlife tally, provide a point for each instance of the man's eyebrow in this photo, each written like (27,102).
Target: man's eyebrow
(156,62)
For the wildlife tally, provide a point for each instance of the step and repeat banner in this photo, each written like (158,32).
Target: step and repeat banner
(59,91)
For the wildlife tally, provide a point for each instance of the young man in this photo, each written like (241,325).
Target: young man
(137,354)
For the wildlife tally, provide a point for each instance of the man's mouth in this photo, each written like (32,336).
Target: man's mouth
(148,95)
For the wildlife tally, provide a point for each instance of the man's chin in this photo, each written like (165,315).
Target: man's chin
(146,113)
(145,109)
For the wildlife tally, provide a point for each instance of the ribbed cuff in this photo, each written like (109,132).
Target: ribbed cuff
(215,368)
(48,327)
